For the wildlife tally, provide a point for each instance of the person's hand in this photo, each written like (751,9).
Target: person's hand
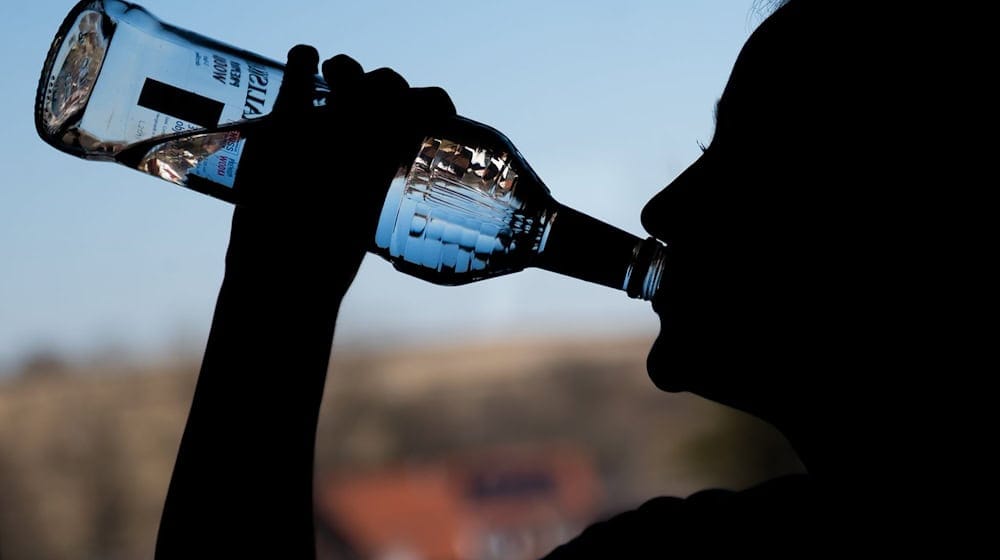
(313,179)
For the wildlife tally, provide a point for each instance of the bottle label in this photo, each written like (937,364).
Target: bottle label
(182,88)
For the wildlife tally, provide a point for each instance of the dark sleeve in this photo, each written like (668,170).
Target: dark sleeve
(777,516)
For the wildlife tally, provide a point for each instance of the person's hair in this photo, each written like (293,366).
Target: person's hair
(764,8)
(768,6)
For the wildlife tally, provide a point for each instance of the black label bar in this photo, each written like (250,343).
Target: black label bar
(181,104)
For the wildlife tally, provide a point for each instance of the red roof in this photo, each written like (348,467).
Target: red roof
(507,501)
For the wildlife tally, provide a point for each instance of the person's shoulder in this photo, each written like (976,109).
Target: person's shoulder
(789,493)
(775,511)
(777,515)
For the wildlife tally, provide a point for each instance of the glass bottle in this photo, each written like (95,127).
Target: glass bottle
(120,85)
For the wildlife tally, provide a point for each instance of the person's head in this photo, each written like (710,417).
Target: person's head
(752,311)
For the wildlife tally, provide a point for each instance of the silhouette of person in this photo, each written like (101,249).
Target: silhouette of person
(790,295)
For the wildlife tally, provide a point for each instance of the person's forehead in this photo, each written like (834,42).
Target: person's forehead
(781,56)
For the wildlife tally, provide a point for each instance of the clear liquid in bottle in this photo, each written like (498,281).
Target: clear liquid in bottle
(459,214)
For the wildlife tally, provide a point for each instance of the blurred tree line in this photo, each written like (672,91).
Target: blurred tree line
(86,451)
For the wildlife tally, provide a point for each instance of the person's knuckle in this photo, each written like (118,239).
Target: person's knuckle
(388,76)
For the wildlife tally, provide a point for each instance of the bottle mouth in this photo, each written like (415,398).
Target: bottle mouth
(646,271)
(655,273)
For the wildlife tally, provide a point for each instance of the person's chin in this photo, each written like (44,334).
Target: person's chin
(657,361)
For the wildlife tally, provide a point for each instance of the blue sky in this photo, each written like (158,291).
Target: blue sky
(606,100)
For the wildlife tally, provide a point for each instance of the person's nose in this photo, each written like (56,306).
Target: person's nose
(668,211)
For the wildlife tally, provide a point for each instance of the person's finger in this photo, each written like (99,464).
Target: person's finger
(304,59)
(379,100)
(341,72)
(384,82)
(431,103)
(298,84)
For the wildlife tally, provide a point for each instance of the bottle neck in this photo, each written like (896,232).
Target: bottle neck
(586,248)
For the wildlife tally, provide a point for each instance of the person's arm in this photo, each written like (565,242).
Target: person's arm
(242,482)
(243,476)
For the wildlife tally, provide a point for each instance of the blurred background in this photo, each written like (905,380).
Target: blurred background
(485,421)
